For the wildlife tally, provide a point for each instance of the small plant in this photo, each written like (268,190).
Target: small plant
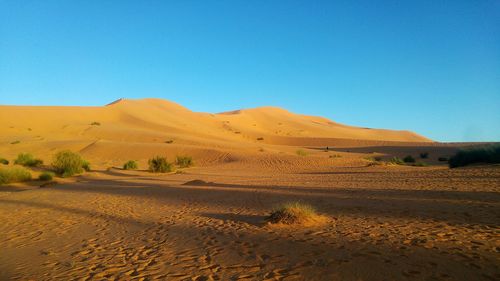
(14,174)
(15,142)
(442,159)
(95,123)
(293,213)
(27,159)
(420,164)
(46,176)
(335,156)
(237,132)
(160,164)
(479,154)
(67,163)
(184,161)
(4,161)
(260,139)
(301,152)
(86,165)
(130,165)
(377,158)
(169,141)
(424,155)
(409,159)
(396,161)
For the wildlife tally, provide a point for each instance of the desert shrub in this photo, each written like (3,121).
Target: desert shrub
(27,159)
(14,174)
(67,163)
(396,161)
(46,176)
(259,139)
(335,156)
(442,159)
(184,161)
(160,164)
(301,152)
(409,159)
(478,154)
(292,213)
(424,155)
(420,164)
(15,142)
(377,158)
(169,141)
(86,165)
(95,124)
(4,161)
(130,165)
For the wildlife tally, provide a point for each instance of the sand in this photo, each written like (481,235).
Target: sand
(208,222)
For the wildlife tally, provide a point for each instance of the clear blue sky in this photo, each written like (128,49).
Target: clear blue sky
(428,66)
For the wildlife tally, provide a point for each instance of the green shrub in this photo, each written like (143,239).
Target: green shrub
(292,213)
(442,159)
(130,165)
(424,155)
(478,154)
(46,176)
(4,161)
(160,164)
(409,159)
(301,152)
(14,174)
(67,163)
(396,161)
(86,165)
(184,161)
(26,159)
(95,124)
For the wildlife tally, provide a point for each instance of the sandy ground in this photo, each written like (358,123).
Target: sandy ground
(384,223)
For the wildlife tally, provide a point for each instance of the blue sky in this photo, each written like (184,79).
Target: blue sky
(432,67)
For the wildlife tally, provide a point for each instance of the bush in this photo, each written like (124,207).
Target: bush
(424,155)
(46,176)
(169,141)
(301,152)
(184,161)
(409,159)
(377,158)
(15,142)
(160,164)
(14,174)
(396,161)
(335,156)
(478,154)
(67,163)
(130,165)
(95,124)
(259,139)
(86,165)
(4,161)
(292,213)
(26,159)
(442,159)
(420,164)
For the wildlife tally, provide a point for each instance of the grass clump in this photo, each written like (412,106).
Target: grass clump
(160,164)
(130,165)
(27,159)
(479,154)
(396,161)
(420,164)
(169,141)
(184,161)
(46,176)
(14,174)
(67,163)
(424,155)
(95,123)
(4,161)
(260,139)
(293,213)
(15,142)
(335,156)
(301,152)
(409,159)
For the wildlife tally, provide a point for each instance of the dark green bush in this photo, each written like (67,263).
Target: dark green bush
(160,164)
(477,154)
(409,159)
(46,176)
(184,161)
(130,165)
(14,174)
(26,159)
(424,155)
(67,163)
(4,161)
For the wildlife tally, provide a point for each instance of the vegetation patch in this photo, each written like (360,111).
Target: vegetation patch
(95,123)
(488,154)
(260,139)
(130,165)
(46,176)
(335,156)
(396,161)
(294,213)
(14,174)
(15,142)
(301,152)
(442,159)
(160,164)
(409,159)
(4,161)
(184,161)
(169,141)
(27,159)
(424,155)
(67,163)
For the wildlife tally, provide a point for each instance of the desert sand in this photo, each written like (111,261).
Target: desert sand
(207,222)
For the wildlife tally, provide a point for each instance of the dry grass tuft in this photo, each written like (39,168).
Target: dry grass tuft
(294,213)
(14,174)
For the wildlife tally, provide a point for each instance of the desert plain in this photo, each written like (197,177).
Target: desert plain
(208,221)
